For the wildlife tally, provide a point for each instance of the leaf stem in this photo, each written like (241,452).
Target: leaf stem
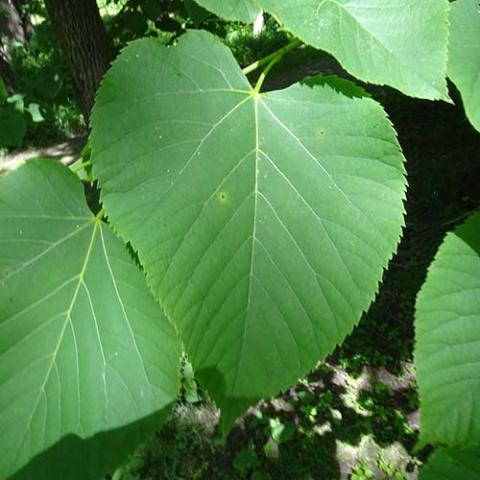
(100,215)
(77,168)
(266,60)
(274,59)
(279,22)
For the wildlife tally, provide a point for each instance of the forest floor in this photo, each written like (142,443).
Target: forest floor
(66,151)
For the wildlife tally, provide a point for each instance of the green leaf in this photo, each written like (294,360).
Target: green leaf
(451,464)
(464,55)
(263,221)
(281,433)
(401,43)
(17,101)
(447,351)
(245,460)
(84,348)
(340,85)
(241,10)
(13,127)
(34,111)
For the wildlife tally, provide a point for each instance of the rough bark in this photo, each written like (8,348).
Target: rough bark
(15,26)
(6,71)
(11,25)
(85,45)
(24,17)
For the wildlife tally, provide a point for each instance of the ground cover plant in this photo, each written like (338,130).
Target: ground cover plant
(225,230)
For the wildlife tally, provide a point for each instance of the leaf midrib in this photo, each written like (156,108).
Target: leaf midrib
(256,100)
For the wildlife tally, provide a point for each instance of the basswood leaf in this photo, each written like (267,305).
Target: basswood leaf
(263,221)
(452,464)
(84,348)
(447,353)
(242,10)
(401,43)
(464,55)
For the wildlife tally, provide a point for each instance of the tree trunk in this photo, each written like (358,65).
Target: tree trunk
(11,25)
(24,17)
(6,71)
(85,45)
(15,26)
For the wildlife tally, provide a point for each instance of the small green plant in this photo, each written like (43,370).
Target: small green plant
(41,109)
(15,115)
(245,460)
(391,471)
(362,472)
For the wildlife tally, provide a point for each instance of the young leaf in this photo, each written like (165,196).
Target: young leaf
(241,10)
(401,43)
(447,354)
(464,55)
(84,348)
(35,113)
(263,220)
(451,464)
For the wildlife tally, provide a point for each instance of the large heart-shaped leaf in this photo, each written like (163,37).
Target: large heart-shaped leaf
(242,10)
(452,464)
(401,43)
(263,220)
(464,55)
(84,348)
(447,352)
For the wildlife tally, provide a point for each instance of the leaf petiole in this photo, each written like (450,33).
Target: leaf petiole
(99,216)
(275,58)
(76,168)
(269,58)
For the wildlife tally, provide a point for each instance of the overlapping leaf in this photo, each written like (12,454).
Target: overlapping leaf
(401,43)
(242,10)
(263,221)
(448,339)
(464,55)
(451,464)
(84,348)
